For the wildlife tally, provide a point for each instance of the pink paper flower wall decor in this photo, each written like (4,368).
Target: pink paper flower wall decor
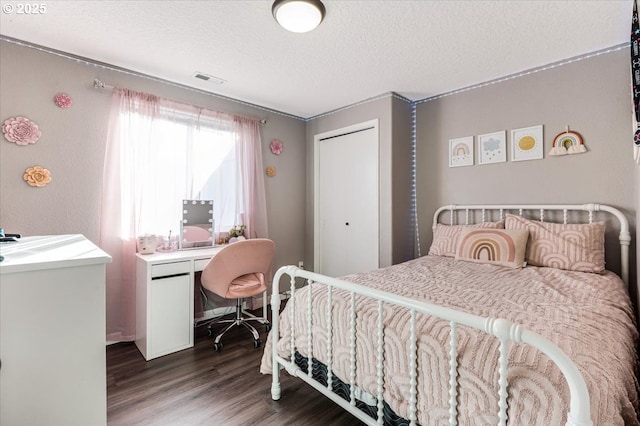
(276,146)
(63,100)
(21,130)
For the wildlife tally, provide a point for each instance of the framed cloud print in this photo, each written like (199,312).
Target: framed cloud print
(527,144)
(492,147)
(461,152)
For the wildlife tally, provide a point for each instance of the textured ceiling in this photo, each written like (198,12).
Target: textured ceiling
(361,50)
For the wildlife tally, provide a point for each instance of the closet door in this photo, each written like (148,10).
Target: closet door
(347,201)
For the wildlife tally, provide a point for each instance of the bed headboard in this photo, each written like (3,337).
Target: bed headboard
(559,213)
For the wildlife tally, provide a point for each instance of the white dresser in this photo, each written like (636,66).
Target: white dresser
(52,332)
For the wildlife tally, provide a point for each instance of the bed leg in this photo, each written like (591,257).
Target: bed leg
(275,385)
(275,333)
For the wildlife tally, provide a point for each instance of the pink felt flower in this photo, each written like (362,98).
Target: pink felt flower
(276,146)
(63,100)
(21,130)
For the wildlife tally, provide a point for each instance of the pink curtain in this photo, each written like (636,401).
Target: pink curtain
(251,178)
(118,227)
(128,182)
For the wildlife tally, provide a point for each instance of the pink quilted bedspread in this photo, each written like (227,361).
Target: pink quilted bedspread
(589,316)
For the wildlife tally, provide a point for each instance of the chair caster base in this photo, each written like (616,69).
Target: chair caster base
(267,327)
(257,343)
(217,347)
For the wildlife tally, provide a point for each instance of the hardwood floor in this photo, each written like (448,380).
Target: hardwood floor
(199,386)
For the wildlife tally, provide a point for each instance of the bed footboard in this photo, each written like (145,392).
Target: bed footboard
(503,330)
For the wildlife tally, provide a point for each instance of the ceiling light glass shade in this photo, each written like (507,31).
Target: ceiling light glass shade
(298,16)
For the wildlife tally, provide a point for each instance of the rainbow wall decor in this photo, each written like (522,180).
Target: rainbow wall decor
(568,142)
(461,152)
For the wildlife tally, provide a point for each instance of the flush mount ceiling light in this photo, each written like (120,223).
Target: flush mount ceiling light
(298,16)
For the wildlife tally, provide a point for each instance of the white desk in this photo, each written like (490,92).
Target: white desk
(52,332)
(164,299)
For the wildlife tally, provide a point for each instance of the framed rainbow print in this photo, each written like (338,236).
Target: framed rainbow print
(492,148)
(527,144)
(461,152)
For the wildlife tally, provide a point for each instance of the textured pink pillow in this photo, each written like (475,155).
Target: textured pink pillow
(574,247)
(445,237)
(504,247)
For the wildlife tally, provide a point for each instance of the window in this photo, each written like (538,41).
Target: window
(189,157)
(158,153)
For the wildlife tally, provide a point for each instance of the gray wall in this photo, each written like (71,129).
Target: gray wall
(592,96)
(73,141)
(394,120)
(401,163)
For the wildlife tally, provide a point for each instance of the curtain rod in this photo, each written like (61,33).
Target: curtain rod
(99,84)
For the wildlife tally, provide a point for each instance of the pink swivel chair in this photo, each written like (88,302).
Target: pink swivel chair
(240,270)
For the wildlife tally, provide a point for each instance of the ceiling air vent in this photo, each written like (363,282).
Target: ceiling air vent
(209,78)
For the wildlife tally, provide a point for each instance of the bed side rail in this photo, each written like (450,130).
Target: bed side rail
(579,407)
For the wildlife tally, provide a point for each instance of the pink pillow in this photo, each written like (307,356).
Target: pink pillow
(445,237)
(574,247)
(504,247)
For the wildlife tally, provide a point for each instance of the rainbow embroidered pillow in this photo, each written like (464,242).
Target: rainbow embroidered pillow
(445,237)
(574,247)
(495,246)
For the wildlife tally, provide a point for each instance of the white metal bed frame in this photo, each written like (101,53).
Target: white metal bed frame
(579,406)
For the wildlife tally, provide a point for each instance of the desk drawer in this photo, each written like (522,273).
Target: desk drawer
(199,264)
(173,268)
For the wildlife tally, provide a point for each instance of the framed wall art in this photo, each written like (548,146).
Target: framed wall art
(527,144)
(461,152)
(492,147)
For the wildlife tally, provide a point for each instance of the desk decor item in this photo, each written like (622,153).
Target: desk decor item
(166,244)
(527,144)
(196,227)
(237,233)
(63,100)
(37,176)
(21,130)
(461,152)
(568,142)
(147,244)
(276,146)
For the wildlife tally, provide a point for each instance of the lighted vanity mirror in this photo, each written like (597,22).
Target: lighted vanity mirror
(196,228)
